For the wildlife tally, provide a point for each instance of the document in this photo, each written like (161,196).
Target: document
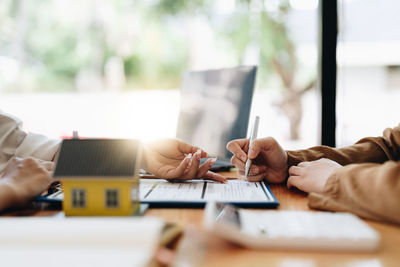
(161,190)
(197,190)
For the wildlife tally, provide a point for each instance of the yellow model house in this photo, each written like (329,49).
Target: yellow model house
(99,176)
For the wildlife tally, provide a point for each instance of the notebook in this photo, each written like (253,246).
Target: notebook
(215,108)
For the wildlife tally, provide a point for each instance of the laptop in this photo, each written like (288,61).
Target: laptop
(215,108)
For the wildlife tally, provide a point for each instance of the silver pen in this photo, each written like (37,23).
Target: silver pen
(253,136)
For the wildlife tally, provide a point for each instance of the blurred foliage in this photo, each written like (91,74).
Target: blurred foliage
(68,45)
(179,7)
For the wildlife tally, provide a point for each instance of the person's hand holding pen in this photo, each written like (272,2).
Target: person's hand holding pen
(175,159)
(269,160)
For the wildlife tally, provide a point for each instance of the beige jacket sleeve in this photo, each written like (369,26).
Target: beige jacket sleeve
(369,183)
(14,142)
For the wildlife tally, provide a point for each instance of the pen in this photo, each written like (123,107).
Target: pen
(253,136)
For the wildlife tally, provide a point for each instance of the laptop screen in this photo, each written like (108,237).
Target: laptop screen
(215,107)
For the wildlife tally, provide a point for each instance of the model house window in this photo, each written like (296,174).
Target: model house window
(112,198)
(78,198)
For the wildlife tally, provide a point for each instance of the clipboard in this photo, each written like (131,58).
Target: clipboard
(160,193)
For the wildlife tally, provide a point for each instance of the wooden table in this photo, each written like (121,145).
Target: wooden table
(198,249)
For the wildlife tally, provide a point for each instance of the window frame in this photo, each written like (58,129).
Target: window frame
(327,42)
(78,198)
(112,202)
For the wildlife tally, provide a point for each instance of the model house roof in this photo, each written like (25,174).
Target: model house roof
(97,157)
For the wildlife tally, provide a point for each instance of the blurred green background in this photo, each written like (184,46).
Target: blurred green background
(74,45)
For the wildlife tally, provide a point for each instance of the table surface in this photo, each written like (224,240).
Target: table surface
(199,249)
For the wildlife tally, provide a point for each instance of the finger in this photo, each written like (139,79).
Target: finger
(256,169)
(203,154)
(304,163)
(203,169)
(238,163)
(195,149)
(295,171)
(237,147)
(255,178)
(178,171)
(215,177)
(293,181)
(187,149)
(193,167)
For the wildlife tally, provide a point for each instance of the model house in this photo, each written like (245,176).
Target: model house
(99,176)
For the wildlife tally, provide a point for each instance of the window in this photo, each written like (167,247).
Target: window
(368,69)
(123,54)
(78,198)
(112,198)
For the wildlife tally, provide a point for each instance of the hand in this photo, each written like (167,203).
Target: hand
(23,179)
(311,176)
(269,160)
(168,159)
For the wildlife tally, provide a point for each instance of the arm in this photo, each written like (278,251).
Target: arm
(371,149)
(271,162)
(14,142)
(369,190)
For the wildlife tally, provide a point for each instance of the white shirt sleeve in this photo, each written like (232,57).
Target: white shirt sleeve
(14,142)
